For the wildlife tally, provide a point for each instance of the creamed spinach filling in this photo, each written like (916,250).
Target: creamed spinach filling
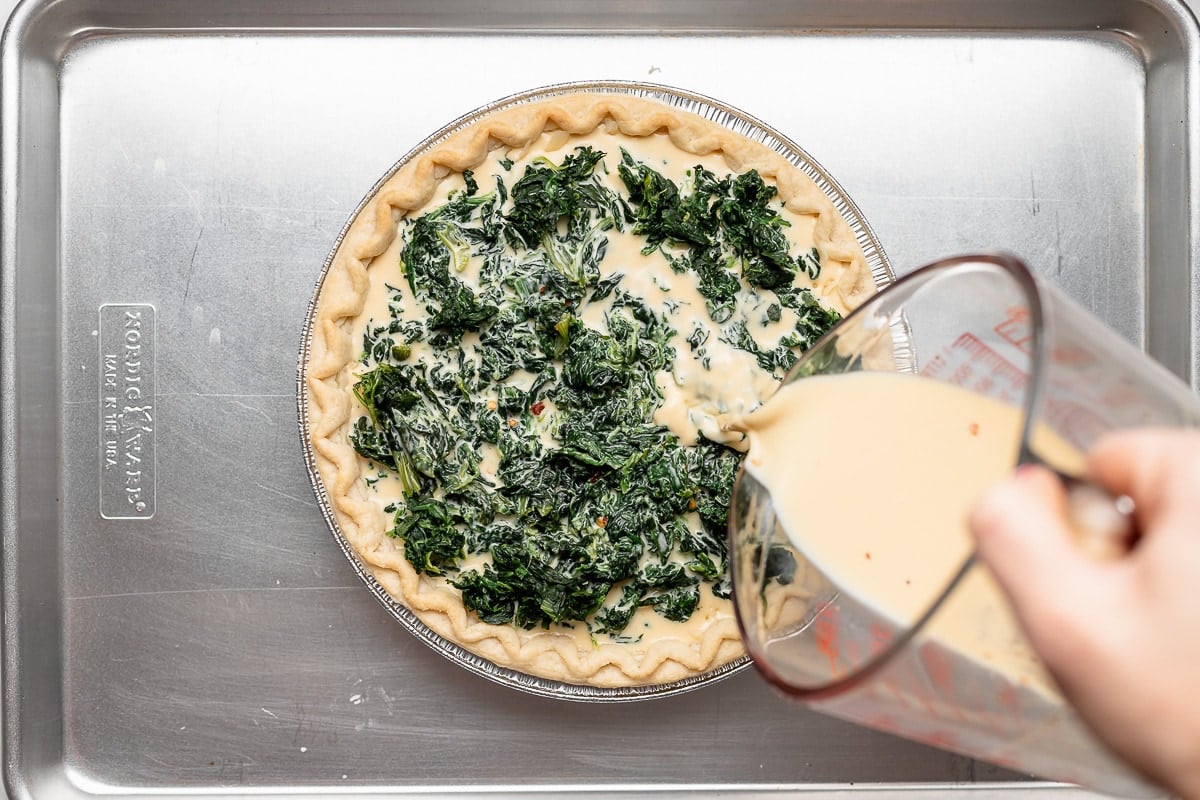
(590,510)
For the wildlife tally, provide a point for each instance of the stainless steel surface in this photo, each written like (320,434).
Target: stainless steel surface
(709,108)
(201,158)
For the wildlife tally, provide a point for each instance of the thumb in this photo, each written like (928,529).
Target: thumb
(1023,535)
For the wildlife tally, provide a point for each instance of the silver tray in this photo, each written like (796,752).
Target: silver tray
(199,158)
(706,107)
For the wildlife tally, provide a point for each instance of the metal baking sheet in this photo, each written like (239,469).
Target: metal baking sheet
(199,159)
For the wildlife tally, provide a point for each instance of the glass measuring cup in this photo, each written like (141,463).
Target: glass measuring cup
(947,666)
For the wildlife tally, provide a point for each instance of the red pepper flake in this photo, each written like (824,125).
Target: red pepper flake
(595,477)
(567,302)
(973,428)
(512,422)
(691,504)
(868,555)
(602,521)
(537,408)
(542,289)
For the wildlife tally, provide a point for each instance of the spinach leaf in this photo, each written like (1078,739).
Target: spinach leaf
(777,361)
(432,540)
(813,319)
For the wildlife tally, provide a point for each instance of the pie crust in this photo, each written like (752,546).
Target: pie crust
(711,638)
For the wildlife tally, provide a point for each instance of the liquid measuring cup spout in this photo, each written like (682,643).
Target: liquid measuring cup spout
(853,569)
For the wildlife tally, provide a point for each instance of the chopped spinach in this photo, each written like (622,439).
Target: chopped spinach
(521,429)
(777,361)
(812,318)
(434,244)
(549,195)
(727,223)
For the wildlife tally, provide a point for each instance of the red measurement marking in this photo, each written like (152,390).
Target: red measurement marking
(1121,395)
(1007,698)
(1015,329)
(825,630)
(988,361)
(1070,355)
(1075,422)
(938,668)
(881,638)
(935,365)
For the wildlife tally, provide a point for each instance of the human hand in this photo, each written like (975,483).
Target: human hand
(1121,637)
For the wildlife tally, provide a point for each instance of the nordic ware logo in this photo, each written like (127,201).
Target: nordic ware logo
(127,413)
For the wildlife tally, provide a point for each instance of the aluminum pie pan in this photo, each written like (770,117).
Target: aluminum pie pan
(714,110)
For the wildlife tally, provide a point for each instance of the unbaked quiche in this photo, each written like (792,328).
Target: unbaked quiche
(525,357)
